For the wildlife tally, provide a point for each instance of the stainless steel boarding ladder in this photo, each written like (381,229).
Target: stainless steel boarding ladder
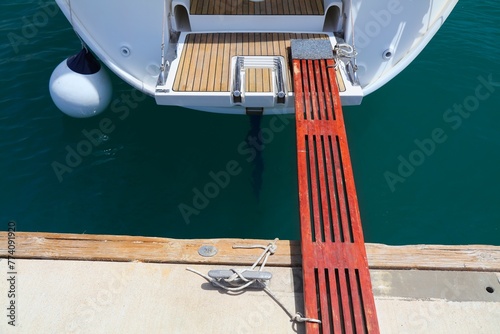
(241,63)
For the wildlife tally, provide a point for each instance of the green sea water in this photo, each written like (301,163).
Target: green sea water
(157,158)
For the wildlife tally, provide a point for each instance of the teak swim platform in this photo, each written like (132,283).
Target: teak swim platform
(205,63)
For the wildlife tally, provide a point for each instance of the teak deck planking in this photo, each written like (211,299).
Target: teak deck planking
(266,7)
(205,63)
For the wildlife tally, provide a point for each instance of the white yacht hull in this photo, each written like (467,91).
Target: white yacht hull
(127,36)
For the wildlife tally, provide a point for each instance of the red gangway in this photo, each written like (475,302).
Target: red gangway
(337,286)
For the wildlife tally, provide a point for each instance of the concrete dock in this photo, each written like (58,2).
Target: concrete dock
(67,283)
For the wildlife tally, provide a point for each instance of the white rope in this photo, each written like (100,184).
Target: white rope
(238,282)
(268,250)
(297,317)
(344,50)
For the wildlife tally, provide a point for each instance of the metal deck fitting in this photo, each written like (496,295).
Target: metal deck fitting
(337,286)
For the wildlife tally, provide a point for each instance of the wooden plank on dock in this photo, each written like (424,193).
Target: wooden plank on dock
(120,248)
(337,286)
(266,7)
(141,249)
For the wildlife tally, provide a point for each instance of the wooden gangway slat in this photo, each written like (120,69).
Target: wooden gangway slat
(337,287)
(265,7)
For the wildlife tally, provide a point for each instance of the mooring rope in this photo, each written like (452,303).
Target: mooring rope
(345,50)
(238,282)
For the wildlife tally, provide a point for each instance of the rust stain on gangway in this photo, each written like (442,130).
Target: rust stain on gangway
(337,287)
